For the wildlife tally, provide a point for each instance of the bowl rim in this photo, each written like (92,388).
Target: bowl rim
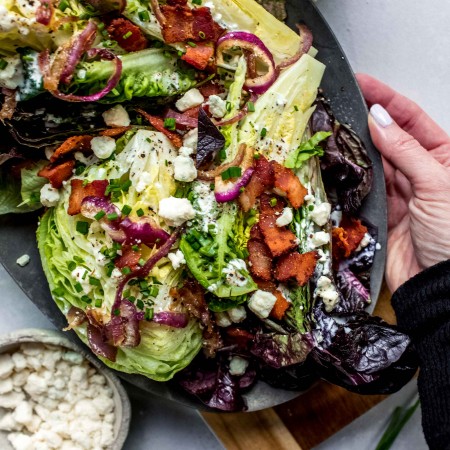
(53,337)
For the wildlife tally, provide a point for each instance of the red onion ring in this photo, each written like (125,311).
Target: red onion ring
(182,119)
(305,45)
(250,43)
(233,189)
(210,175)
(171,319)
(75,317)
(110,85)
(83,43)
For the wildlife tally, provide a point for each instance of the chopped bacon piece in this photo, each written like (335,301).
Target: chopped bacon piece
(271,205)
(255,233)
(79,192)
(280,240)
(260,259)
(178,24)
(113,132)
(177,2)
(239,337)
(287,183)
(158,123)
(280,307)
(262,180)
(199,56)
(127,35)
(296,265)
(129,258)
(57,173)
(71,145)
(267,286)
(211,88)
(347,237)
(204,28)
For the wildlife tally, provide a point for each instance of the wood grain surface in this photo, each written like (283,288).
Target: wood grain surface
(303,422)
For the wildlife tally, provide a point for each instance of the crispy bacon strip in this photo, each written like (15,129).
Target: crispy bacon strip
(347,237)
(271,205)
(71,145)
(204,27)
(158,124)
(57,173)
(280,307)
(9,104)
(79,192)
(199,56)
(262,180)
(280,240)
(296,265)
(127,35)
(129,258)
(260,259)
(255,233)
(287,183)
(238,336)
(211,88)
(113,132)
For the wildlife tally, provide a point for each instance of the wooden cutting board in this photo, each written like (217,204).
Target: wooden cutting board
(303,422)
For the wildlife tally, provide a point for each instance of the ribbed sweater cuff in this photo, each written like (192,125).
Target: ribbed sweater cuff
(422,304)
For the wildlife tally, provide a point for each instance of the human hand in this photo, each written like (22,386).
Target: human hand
(416,161)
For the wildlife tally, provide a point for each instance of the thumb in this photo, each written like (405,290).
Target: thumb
(403,151)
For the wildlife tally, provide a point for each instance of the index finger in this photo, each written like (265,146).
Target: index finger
(405,112)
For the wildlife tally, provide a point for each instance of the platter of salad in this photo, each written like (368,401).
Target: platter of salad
(188,188)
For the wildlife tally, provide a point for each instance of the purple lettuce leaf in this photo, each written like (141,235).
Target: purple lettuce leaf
(298,377)
(353,295)
(210,139)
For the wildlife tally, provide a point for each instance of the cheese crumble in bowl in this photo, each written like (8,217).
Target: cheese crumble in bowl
(53,397)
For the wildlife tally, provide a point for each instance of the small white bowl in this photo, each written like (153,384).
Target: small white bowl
(122,409)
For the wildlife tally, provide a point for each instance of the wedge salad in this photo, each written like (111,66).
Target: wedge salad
(201,200)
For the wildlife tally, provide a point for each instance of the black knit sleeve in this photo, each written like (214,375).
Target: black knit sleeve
(422,306)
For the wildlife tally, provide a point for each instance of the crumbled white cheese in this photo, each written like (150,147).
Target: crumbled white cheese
(176,211)
(321,213)
(117,116)
(103,146)
(49,152)
(336,217)
(23,260)
(49,195)
(81,275)
(144,180)
(237,314)
(177,259)
(320,238)
(190,139)
(261,303)
(184,167)
(281,101)
(378,246)
(68,407)
(6,365)
(217,106)
(238,365)
(365,241)
(86,160)
(309,198)
(12,75)
(222,319)
(285,218)
(233,273)
(190,99)
(327,291)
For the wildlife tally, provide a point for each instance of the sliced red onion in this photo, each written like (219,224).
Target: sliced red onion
(80,46)
(250,44)
(171,319)
(75,317)
(44,12)
(182,119)
(148,266)
(110,85)
(98,344)
(305,45)
(240,115)
(91,206)
(144,231)
(123,328)
(230,190)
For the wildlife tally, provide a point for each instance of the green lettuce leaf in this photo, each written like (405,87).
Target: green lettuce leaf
(31,185)
(307,150)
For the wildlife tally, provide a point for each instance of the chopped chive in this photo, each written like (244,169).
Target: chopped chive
(127,35)
(296,107)
(212,186)
(135,248)
(170,123)
(149,311)
(196,2)
(257,155)
(263,132)
(126,210)
(116,312)
(191,44)
(99,215)
(126,185)
(78,287)
(126,270)
(112,216)
(231,172)
(85,183)
(202,35)
(94,281)
(58,292)
(273,202)
(79,169)
(143,284)
(222,154)
(84,275)
(86,299)
(142,262)
(251,107)
(126,293)
(144,16)
(228,106)
(132,298)
(140,304)
(154,291)
(311,207)
(109,269)
(140,212)
(63,5)
(71,265)
(241,190)
(98,303)
(78,259)
(82,227)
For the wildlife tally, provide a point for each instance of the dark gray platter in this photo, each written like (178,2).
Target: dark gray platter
(17,233)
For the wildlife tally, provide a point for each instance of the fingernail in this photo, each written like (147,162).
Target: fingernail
(381,116)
